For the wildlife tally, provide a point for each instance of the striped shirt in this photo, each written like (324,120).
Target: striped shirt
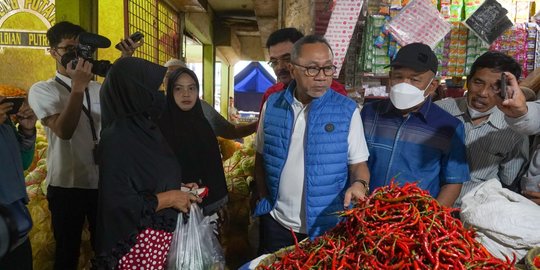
(493,149)
(426,146)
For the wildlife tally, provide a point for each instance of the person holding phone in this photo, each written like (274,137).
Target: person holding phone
(68,106)
(522,116)
(16,154)
(485,127)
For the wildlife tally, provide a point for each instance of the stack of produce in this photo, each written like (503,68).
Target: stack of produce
(228,147)
(36,173)
(239,170)
(395,228)
(11,91)
(41,235)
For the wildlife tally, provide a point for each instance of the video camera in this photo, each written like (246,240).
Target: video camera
(88,43)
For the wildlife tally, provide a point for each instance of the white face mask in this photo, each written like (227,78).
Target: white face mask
(476,114)
(405,96)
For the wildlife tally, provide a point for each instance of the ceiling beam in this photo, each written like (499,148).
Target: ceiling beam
(267,14)
(190,5)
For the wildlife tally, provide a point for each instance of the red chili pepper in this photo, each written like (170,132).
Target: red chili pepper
(536,261)
(395,228)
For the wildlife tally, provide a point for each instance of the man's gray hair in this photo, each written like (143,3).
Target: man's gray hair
(310,39)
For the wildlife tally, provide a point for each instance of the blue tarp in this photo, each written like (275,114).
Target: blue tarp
(249,86)
(253,78)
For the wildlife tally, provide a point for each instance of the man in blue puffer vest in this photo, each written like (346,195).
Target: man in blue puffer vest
(311,151)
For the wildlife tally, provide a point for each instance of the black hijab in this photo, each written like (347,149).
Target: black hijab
(193,141)
(135,160)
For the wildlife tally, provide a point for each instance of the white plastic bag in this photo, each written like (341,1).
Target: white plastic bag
(506,222)
(194,245)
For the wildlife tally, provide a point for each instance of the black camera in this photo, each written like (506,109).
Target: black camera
(9,235)
(88,43)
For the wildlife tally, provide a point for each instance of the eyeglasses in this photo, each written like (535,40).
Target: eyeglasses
(314,71)
(284,59)
(68,48)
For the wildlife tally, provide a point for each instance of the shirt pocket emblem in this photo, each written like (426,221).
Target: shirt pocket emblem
(329,127)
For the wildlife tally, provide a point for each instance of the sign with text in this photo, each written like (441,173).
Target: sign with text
(23,39)
(18,17)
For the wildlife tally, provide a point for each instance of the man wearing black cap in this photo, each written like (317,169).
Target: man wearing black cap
(410,139)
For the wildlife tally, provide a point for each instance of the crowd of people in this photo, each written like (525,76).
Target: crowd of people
(119,153)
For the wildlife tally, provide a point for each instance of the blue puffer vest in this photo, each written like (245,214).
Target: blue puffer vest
(325,154)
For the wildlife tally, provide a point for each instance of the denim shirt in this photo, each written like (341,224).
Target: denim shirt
(426,146)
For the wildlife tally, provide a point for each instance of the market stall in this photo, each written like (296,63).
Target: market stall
(394,228)
(458,31)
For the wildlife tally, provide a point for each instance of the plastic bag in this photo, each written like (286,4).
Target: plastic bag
(194,245)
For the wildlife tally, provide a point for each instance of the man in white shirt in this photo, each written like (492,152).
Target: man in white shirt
(311,151)
(68,106)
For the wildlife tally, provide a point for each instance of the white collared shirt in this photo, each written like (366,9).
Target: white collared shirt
(70,163)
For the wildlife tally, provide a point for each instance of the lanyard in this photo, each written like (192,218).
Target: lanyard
(86,111)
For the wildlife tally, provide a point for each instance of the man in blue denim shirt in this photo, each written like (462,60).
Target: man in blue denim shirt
(410,138)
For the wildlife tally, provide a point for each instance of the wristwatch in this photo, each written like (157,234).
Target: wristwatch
(363,182)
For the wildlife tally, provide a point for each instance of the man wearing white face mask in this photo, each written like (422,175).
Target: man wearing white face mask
(493,149)
(409,138)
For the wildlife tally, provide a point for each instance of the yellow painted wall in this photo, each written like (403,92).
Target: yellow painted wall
(75,11)
(209,58)
(110,25)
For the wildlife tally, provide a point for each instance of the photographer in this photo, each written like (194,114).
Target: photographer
(16,153)
(68,106)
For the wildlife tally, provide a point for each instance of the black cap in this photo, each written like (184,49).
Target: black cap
(416,56)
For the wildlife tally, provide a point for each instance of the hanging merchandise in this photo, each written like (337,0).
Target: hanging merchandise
(419,21)
(489,21)
(374,58)
(537,52)
(455,10)
(341,27)
(513,42)
(471,6)
(532,32)
(475,48)
(455,53)
(491,25)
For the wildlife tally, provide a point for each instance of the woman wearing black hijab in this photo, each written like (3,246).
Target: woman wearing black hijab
(192,139)
(139,188)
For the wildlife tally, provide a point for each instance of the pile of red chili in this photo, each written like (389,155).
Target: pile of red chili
(536,261)
(395,228)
